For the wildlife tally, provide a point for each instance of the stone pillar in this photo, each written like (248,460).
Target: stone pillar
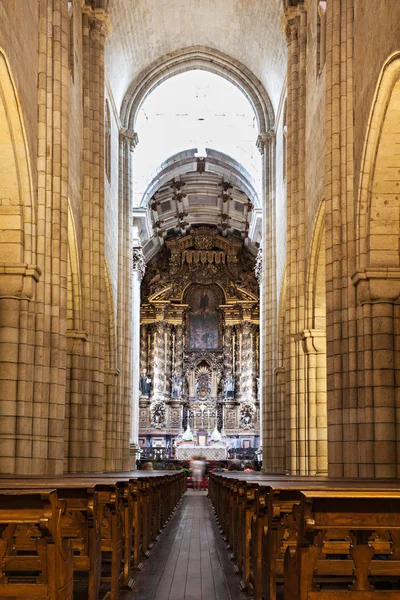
(266,275)
(127,143)
(17,293)
(314,347)
(346,449)
(33,278)
(279,441)
(139,267)
(296,402)
(94,30)
(378,318)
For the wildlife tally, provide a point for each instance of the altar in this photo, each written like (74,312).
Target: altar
(206,452)
(199,347)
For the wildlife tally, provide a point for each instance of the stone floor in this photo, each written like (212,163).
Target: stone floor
(190,561)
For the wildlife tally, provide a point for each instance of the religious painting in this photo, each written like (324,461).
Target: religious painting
(203,320)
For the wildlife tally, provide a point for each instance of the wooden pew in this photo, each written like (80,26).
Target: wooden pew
(127,519)
(35,553)
(360,514)
(255,529)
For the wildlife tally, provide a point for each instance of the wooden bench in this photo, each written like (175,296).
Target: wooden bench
(258,526)
(35,549)
(126,511)
(360,514)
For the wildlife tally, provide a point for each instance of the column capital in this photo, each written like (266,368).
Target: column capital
(313,341)
(130,136)
(290,21)
(265,138)
(99,18)
(377,284)
(18,280)
(138,262)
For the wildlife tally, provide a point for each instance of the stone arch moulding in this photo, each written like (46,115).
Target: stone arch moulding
(218,163)
(205,59)
(314,262)
(74,276)
(16,189)
(378,195)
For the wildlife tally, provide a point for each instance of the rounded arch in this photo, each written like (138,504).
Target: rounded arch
(378,205)
(192,287)
(205,59)
(17,221)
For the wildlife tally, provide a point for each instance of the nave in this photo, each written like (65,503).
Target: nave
(190,561)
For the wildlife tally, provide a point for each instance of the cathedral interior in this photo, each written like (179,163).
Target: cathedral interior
(200,261)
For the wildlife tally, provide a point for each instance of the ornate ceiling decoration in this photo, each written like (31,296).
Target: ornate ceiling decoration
(182,197)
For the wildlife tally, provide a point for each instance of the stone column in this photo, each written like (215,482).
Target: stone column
(139,267)
(296,402)
(33,278)
(314,347)
(266,275)
(90,447)
(280,438)
(346,450)
(127,143)
(378,317)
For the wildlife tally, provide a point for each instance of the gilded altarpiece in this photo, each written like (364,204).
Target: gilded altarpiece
(199,342)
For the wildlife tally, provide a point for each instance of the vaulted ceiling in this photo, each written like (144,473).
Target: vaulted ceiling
(144,31)
(189,191)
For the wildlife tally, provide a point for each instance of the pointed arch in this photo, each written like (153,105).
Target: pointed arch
(17,205)
(314,348)
(378,206)
(74,287)
(315,279)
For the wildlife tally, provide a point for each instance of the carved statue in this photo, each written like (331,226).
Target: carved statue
(177,383)
(229,387)
(145,385)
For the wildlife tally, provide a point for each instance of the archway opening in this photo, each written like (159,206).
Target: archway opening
(195,109)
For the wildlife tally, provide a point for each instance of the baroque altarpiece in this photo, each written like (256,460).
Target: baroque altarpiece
(199,344)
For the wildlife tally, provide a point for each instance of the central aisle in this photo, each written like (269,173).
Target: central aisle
(190,561)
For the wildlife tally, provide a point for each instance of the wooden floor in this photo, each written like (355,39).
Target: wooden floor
(190,561)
